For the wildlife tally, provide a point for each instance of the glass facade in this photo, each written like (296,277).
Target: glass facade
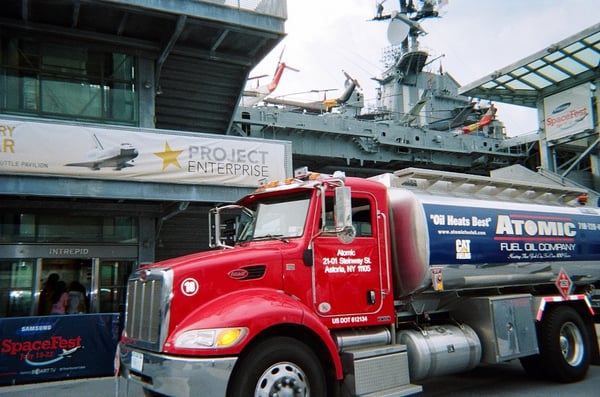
(113,285)
(86,253)
(18,227)
(48,80)
(16,287)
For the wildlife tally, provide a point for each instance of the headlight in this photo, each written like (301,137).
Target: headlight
(210,338)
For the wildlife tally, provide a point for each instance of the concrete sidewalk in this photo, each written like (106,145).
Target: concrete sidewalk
(89,387)
(119,387)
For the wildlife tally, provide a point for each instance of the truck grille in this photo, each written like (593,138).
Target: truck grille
(147,307)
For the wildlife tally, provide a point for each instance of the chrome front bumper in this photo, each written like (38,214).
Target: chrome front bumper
(176,376)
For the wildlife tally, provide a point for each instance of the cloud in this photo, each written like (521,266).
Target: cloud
(476,37)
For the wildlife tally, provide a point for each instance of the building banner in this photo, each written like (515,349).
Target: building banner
(568,112)
(46,348)
(55,149)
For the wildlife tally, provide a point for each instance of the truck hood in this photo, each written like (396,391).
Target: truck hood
(221,261)
(203,277)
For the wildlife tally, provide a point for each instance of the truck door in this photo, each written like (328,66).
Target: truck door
(347,278)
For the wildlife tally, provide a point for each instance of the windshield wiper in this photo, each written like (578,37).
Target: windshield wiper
(280,237)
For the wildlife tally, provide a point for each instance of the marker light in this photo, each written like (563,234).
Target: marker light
(228,337)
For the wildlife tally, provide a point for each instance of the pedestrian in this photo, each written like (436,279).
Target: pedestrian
(45,304)
(60,299)
(76,298)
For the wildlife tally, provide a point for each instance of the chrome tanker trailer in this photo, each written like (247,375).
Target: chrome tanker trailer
(327,285)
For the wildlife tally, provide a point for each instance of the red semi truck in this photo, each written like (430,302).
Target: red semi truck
(326,285)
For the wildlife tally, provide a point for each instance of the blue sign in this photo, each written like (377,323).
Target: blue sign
(476,235)
(45,348)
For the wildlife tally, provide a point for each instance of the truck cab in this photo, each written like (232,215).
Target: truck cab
(293,263)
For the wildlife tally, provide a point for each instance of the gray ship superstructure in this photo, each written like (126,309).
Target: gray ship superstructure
(418,120)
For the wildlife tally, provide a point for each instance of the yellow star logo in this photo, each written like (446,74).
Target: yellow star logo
(169,156)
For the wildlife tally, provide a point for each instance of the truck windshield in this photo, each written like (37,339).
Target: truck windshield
(277,217)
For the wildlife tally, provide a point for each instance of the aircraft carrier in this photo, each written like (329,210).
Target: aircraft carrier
(419,119)
(424,118)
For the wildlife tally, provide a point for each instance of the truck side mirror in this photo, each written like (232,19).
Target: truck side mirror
(224,225)
(343,215)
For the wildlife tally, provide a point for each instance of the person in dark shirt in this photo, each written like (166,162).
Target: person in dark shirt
(46,295)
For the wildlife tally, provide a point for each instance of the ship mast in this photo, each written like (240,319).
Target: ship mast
(407,94)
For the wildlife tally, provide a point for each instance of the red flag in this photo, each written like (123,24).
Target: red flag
(485,120)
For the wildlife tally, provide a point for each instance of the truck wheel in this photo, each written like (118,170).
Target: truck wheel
(533,366)
(279,367)
(150,393)
(564,345)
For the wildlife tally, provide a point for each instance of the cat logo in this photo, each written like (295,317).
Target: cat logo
(463,249)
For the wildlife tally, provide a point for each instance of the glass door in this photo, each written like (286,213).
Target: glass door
(112,284)
(16,287)
(74,273)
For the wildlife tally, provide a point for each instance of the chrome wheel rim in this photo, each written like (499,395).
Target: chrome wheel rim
(571,344)
(282,380)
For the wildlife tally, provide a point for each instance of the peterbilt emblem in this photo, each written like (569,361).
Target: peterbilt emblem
(238,274)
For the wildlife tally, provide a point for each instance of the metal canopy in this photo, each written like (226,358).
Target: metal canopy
(202,50)
(568,63)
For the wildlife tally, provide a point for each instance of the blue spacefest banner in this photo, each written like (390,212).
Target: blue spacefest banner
(46,348)
(472,235)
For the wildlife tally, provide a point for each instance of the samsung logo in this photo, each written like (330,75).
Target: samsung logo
(561,108)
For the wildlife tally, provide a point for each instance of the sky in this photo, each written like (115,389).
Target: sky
(473,38)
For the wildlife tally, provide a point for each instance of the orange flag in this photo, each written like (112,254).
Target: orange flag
(485,120)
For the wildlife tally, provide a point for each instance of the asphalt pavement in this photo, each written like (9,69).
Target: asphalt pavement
(501,380)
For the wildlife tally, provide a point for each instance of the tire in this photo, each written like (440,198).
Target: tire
(533,366)
(279,366)
(564,345)
(150,393)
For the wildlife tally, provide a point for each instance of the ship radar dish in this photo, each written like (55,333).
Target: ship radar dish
(397,31)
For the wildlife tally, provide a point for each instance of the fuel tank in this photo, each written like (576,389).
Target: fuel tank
(476,243)
(441,350)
